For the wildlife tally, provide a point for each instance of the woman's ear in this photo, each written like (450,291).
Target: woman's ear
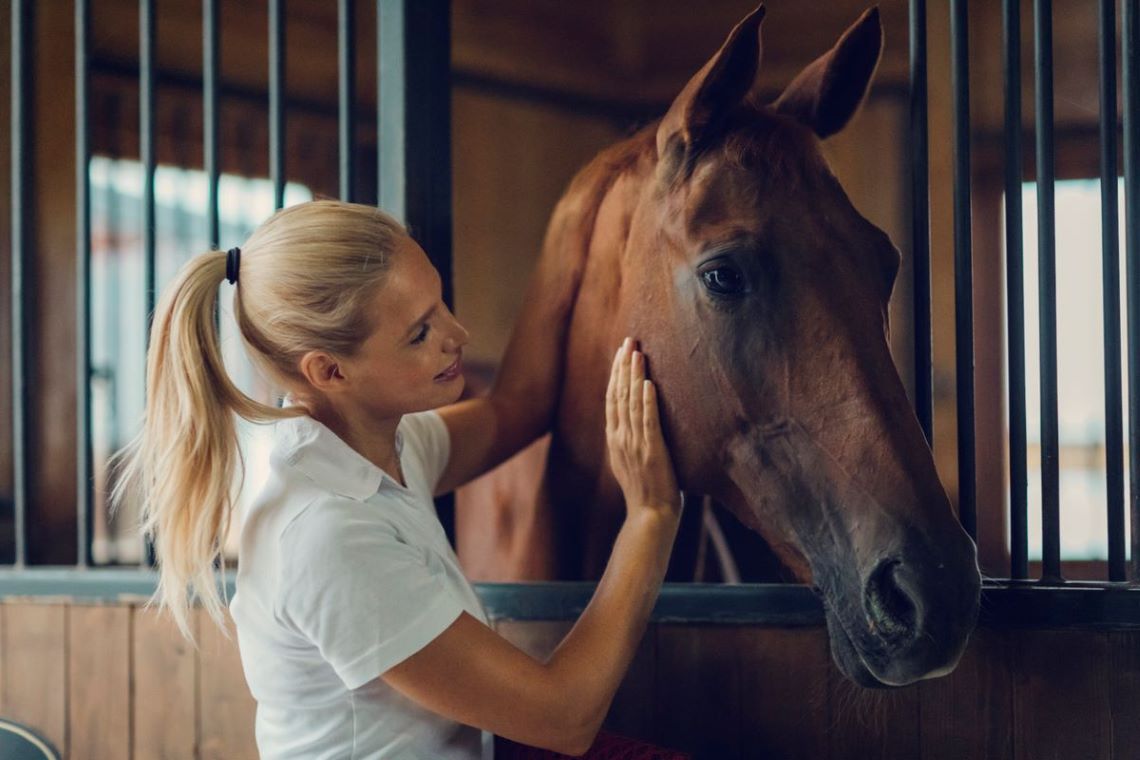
(321,370)
(827,93)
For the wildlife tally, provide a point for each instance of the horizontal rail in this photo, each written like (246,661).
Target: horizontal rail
(1025,604)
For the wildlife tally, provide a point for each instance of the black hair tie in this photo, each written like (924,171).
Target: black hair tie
(233,261)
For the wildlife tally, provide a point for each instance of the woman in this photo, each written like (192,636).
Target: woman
(359,635)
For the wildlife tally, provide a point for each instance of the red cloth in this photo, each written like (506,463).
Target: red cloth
(606,747)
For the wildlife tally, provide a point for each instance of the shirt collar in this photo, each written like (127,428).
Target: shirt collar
(318,452)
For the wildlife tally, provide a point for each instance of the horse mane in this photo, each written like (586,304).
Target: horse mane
(774,147)
(574,216)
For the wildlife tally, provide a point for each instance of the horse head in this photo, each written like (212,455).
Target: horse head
(760,296)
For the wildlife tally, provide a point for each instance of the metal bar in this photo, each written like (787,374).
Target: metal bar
(147,156)
(210,68)
(84,464)
(414,135)
(1130,53)
(23,229)
(1110,265)
(1047,291)
(146,149)
(415,132)
(1075,606)
(920,222)
(963,277)
(346,56)
(276,101)
(1015,295)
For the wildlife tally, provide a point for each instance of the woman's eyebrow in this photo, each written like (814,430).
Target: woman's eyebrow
(417,323)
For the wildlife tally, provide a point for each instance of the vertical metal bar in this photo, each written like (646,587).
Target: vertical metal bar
(210,67)
(83,284)
(276,101)
(1015,296)
(23,229)
(963,277)
(415,130)
(346,55)
(1110,264)
(1047,291)
(1130,53)
(920,222)
(146,150)
(414,125)
(147,156)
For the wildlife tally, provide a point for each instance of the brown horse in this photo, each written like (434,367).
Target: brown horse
(721,240)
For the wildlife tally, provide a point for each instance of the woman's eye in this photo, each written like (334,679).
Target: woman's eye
(421,335)
(724,280)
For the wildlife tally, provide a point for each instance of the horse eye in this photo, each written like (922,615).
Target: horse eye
(723,280)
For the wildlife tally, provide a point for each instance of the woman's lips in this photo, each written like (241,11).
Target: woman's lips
(452,372)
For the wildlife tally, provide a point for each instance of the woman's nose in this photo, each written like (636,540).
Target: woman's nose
(458,337)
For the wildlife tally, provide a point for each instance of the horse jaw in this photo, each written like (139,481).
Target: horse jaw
(838,536)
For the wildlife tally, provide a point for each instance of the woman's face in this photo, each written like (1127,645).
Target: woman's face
(412,359)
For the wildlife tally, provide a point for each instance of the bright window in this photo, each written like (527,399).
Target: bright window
(1080,368)
(118,313)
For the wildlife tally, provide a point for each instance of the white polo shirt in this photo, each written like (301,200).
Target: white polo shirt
(342,574)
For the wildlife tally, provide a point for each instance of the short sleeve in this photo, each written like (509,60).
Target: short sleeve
(430,442)
(367,599)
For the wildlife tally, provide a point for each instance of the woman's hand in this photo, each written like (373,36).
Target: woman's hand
(637,452)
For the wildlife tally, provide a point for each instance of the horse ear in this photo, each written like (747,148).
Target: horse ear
(700,108)
(827,93)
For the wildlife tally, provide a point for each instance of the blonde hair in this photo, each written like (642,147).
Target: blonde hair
(307,276)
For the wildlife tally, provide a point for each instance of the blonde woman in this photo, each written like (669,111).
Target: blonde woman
(359,635)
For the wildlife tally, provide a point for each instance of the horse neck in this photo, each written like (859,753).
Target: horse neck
(594,195)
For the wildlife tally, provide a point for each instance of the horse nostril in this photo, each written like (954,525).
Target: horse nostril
(889,608)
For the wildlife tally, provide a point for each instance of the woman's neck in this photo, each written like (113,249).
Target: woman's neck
(375,440)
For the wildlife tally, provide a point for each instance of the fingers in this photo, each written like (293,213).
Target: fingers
(650,423)
(623,385)
(612,391)
(636,379)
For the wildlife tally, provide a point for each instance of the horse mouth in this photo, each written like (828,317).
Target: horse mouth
(847,656)
(866,668)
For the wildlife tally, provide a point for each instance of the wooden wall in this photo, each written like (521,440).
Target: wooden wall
(112,680)
(117,681)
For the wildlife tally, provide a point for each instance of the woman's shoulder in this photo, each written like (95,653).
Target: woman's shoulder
(425,436)
(332,517)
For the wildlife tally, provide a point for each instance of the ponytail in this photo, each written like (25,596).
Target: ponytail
(182,461)
(307,276)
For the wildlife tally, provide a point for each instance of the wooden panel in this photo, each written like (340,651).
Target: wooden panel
(1060,695)
(869,723)
(34,690)
(99,681)
(784,692)
(967,714)
(165,712)
(52,534)
(527,153)
(1124,654)
(631,713)
(226,708)
(698,690)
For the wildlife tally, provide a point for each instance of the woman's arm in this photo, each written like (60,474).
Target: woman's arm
(472,675)
(520,407)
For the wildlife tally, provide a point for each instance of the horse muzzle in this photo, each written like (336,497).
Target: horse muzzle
(913,617)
